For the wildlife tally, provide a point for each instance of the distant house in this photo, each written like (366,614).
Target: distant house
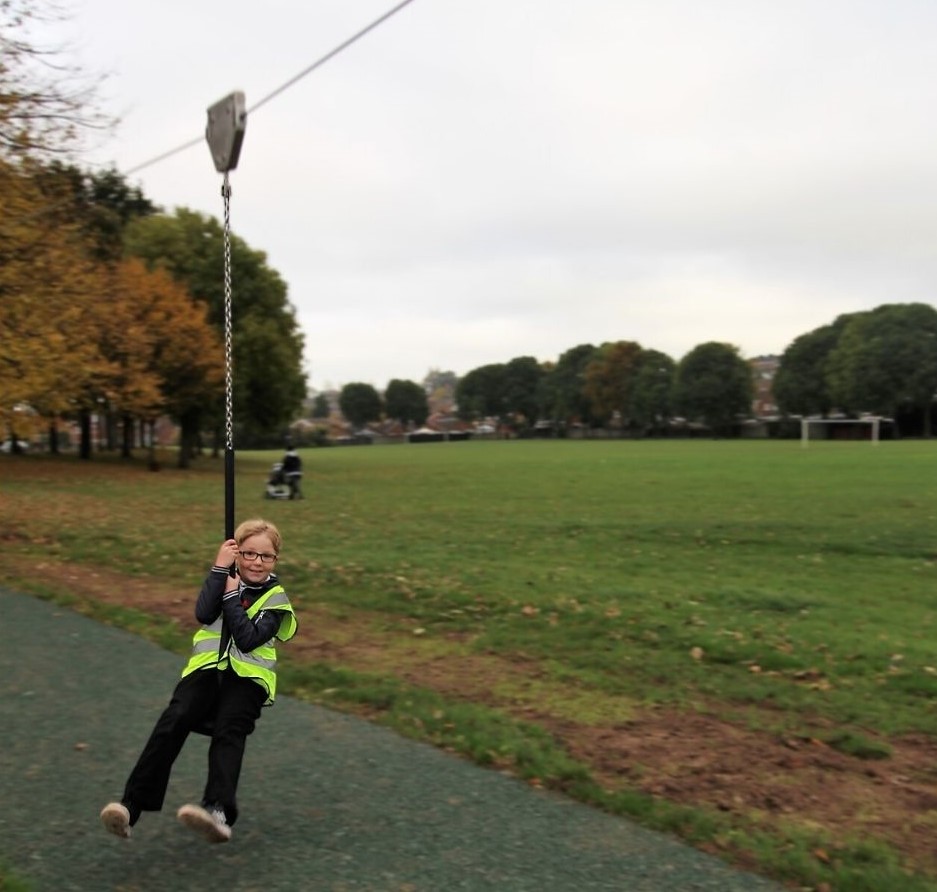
(426,435)
(764,368)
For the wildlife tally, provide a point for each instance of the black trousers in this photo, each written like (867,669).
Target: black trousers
(222,701)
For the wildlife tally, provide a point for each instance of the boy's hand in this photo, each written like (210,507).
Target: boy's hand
(232,585)
(227,554)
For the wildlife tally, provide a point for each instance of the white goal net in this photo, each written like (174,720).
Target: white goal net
(822,428)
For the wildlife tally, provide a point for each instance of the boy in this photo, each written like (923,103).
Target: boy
(230,676)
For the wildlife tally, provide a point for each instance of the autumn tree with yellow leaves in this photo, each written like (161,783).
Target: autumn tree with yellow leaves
(169,359)
(88,330)
(45,275)
(45,283)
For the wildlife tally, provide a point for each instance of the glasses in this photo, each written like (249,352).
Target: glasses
(253,555)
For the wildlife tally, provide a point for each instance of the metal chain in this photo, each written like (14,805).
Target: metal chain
(228,355)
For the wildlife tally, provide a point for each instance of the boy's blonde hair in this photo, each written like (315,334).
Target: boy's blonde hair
(254,527)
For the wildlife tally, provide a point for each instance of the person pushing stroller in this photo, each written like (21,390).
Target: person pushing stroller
(292,470)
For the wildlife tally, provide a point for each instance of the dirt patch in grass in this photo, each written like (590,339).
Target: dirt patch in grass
(685,757)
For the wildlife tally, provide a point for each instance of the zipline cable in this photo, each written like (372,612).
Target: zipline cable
(198,140)
(329,55)
(308,70)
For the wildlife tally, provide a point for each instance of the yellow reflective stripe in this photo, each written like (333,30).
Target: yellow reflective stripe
(268,663)
(206,645)
(264,599)
(275,598)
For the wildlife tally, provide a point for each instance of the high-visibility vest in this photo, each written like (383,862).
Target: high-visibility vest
(260,664)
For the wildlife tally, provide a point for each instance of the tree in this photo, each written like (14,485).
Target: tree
(44,276)
(406,401)
(360,403)
(522,377)
(76,221)
(886,360)
(563,396)
(45,103)
(800,385)
(157,354)
(269,384)
(171,333)
(714,384)
(481,393)
(102,202)
(609,378)
(126,385)
(320,406)
(48,286)
(652,389)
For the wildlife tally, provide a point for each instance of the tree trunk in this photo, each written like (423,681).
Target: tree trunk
(151,425)
(110,429)
(126,444)
(84,447)
(188,437)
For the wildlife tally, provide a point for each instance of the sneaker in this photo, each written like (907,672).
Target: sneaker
(207,822)
(116,819)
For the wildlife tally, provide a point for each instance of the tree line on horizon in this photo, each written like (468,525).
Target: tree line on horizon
(879,362)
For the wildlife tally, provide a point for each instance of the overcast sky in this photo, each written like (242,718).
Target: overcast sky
(477,180)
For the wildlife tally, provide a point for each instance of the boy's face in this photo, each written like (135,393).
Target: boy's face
(254,560)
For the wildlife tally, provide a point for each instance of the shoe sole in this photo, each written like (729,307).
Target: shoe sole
(116,820)
(201,822)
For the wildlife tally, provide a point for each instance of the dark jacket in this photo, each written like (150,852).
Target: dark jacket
(247,633)
(292,463)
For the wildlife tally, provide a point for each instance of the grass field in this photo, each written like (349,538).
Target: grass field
(786,590)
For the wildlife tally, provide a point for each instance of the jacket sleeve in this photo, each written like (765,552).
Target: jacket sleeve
(208,606)
(249,633)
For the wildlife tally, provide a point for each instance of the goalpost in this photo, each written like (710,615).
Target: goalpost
(874,422)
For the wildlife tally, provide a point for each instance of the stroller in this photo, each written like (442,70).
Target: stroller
(283,482)
(277,487)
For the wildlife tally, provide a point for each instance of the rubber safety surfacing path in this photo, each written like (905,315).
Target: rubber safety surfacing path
(328,802)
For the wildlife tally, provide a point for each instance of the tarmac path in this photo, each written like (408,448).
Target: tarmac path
(328,802)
